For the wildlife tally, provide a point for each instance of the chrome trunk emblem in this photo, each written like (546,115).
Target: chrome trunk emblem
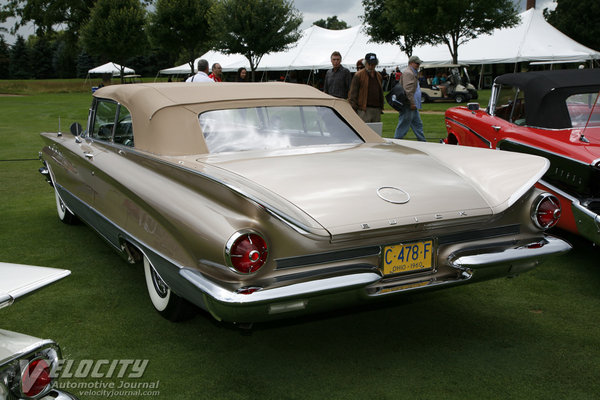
(393,195)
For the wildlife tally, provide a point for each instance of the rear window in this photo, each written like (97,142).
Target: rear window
(274,128)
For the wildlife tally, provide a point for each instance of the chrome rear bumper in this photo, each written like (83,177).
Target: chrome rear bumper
(520,258)
(362,287)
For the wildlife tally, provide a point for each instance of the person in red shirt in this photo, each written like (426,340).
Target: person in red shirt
(217,73)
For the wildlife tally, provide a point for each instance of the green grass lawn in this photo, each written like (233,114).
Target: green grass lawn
(536,336)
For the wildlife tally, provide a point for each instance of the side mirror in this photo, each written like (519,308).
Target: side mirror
(473,106)
(76,130)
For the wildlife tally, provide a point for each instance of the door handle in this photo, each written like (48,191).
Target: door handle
(89,156)
(496,127)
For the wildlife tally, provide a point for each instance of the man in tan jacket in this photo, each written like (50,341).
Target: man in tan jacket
(366,92)
(409,117)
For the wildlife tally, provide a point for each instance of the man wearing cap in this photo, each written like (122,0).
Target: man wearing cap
(366,93)
(409,117)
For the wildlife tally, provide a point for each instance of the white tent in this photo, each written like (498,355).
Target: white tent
(312,51)
(110,68)
(533,39)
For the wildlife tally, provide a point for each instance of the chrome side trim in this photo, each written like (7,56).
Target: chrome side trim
(559,191)
(484,140)
(539,149)
(311,288)
(520,257)
(118,232)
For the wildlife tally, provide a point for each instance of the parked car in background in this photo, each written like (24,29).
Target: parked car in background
(553,114)
(270,200)
(27,364)
(456,87)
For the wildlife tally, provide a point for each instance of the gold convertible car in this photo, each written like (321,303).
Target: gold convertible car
(269,200)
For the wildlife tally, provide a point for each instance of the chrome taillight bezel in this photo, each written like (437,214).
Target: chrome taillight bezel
(233,240)
(25,369)
(535,209)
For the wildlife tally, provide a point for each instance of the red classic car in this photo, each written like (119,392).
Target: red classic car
(554,114)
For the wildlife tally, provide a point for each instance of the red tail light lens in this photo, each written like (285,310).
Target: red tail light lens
(546,211)
(246,252)
(35,377)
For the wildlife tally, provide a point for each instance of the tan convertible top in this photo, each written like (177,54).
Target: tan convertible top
(165,115)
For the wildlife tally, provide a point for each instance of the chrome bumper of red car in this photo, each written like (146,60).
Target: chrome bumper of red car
(260,304)
(587,222)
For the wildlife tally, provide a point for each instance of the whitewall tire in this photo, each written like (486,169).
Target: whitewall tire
(63,212)
(167,303)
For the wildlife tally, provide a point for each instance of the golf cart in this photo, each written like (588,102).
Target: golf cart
(457,86)
(132,78)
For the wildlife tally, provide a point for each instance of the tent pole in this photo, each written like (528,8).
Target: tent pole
(480,78)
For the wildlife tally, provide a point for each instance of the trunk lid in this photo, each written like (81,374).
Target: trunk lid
(372,186)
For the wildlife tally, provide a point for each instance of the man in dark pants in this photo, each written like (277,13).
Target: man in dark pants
(366,93)
(338,78)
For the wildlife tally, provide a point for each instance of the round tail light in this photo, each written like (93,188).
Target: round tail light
(545,211)
(35,377)
(246,252)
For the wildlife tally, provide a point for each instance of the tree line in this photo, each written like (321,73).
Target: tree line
(73,36)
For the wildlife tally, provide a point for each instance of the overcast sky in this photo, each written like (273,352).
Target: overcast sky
(312,10)
(351,10)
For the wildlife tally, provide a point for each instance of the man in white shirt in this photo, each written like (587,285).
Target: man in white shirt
(202,74)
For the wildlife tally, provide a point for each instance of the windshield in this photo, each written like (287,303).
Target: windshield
(274,128)
(509,104)
(584,109)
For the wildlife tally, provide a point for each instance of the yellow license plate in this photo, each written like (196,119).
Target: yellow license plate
(408,257)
